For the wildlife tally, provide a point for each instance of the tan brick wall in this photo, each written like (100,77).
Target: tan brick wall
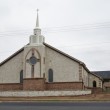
(34,84)
(94,78)
(38,84)
(80,72)
(64,69)
(64,86)
(85,76)
(11,86)
(95,89)
(39,67)
(10,71)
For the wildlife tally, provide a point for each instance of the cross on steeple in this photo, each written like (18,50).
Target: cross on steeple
(37,21)
(37,38)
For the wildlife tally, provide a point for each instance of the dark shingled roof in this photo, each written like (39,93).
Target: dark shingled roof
(102,74)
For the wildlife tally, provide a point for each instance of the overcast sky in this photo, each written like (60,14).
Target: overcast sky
(81,28)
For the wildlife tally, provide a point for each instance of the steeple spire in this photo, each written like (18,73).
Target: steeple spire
(37,20)
(37,30)
(37,38)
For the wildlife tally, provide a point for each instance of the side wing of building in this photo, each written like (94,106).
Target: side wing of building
(95,81)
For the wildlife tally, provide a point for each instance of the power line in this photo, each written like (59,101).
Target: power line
(103,23)
(59,29)
(87,45)
(52,31)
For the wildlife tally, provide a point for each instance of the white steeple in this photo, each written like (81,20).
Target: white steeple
(37,20)
(37,38)
(37,30)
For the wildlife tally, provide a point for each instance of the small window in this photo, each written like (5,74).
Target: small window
(44,60)
(32,71)
(50,75)
(94,84)
(21,76)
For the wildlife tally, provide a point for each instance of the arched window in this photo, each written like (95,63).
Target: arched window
(94,84)
(21,76)
(50,75)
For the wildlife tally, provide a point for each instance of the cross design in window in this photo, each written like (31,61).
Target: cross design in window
(32,61)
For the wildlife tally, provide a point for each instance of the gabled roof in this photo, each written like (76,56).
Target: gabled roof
(102,74)
(66,55)
(97,75)
(53,48)
(13,55)
(59,51)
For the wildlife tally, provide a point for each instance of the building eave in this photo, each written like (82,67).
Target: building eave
(59,51)
(97,76)
(10,57)
(72,58)
(53,48)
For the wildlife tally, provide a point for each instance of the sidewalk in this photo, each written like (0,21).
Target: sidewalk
(92,97)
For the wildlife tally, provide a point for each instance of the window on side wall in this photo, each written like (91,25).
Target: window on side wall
(21,76)
(50,75)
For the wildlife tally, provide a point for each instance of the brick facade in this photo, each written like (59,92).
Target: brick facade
(34,84)
(95,89)
(64,86)
(39,84)
(11,86)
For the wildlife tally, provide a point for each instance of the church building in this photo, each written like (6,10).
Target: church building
(38,66)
